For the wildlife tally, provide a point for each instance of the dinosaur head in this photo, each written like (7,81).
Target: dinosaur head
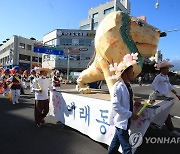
(145,36)
(119,34)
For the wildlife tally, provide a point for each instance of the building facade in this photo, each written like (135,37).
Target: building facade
(97,14)
(78,45)
(19,51)
(157,57)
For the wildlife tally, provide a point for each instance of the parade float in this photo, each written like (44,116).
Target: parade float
(87,110)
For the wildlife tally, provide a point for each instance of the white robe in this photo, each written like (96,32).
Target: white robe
(120,100)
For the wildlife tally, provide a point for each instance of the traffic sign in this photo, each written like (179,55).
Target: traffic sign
(51,51)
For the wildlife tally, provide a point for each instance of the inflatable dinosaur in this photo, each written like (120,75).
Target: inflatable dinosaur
(117,35)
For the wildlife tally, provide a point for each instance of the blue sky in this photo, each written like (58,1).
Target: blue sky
(34,18)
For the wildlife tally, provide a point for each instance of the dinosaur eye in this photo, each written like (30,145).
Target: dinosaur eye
(140,23)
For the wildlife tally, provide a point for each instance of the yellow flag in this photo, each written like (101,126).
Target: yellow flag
(17,78)
(9,96)
(39,86)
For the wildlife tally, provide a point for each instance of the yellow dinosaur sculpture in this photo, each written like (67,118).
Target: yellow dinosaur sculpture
(117,35)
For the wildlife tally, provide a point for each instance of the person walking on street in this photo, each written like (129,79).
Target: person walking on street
(25,79)
(15,85)
(161,86)
(122,105)
(40,87)
(140,80)
(31,78)
(56,80)
(5,81)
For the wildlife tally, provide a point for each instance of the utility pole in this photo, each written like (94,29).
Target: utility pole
(38,59)
(68,65)
(115,5)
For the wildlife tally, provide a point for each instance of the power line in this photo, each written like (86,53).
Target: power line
(173,30)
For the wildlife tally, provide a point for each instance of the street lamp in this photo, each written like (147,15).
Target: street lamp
(68,65)
(157,4)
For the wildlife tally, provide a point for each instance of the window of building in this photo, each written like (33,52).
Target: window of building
(82,42)
(119,9)
(46,57)
(22,45)
(51,42)
(24,57)
(85,56)
(85,42)
(88,42)
(95,24)
(75,41)
(75,57)
(95,15)
(107,11)
(65,41)
(28,47)
(6,60)
(35,59)
(84,27)
(40,60)
(12,45)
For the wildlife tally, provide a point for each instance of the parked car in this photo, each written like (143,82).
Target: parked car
(74,76)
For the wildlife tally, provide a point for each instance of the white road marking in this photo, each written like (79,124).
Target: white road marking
(176,86)
(176,117)
(143,85)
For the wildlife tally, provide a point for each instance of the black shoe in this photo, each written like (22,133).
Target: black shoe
(155,126)
(43,121)
(174,133)
(39,125)
(61,124)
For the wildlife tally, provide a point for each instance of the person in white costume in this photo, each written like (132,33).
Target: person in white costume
(122,104)
(25,79)
(31,78)
(40,87)
(161,87)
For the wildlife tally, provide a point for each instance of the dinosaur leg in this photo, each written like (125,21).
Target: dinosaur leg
(87,76)
(105,68)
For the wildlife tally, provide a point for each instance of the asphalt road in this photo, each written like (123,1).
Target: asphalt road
(19,135)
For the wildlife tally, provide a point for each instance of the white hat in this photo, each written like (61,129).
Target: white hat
(162,64)
(38,70)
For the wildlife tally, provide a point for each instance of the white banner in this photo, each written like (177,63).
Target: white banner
(90,115)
